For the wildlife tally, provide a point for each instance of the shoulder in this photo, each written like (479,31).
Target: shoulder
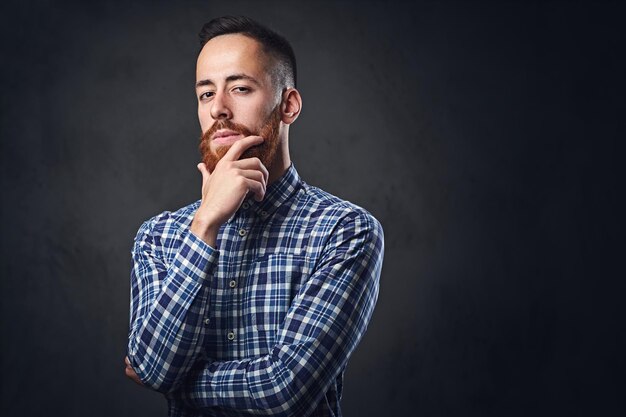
(339,232)
(332,213)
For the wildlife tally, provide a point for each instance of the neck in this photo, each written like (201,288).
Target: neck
(282,160)
(279,166)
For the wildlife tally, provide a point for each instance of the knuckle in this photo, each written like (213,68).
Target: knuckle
(241,181)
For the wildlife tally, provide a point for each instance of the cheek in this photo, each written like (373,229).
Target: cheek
(205,119)
(262,114)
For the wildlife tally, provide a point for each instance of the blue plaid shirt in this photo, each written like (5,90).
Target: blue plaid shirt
(264,325)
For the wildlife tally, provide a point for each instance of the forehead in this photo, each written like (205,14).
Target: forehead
(231,54)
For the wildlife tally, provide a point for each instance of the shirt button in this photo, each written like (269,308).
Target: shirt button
(264,214)
(231,336)
(245,205)
(207,321)
(242,232)
(232,283)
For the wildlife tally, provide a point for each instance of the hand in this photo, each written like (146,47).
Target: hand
(224,189)
(130,372)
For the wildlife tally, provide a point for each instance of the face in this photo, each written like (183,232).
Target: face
(236,98)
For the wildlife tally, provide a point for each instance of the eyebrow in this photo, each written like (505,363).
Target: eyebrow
(230,78)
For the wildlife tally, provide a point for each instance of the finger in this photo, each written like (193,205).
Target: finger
(256,188)
(254,175)
(252,163)
(130,372)
(127,361)
(205,173)
(239,147)
(133,375)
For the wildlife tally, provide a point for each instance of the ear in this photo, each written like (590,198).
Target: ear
(291,106)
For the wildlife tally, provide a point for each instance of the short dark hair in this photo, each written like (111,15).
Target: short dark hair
(285,74)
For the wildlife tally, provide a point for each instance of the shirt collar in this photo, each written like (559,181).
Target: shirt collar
(276,194)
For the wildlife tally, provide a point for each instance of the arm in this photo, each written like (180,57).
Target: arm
(168,304)
(324,324)
(169,301)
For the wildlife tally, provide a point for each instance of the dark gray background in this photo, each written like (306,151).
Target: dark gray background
(485,137)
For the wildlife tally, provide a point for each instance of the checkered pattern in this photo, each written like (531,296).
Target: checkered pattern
(264,325)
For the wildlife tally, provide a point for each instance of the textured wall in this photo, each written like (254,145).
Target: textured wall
(483,136)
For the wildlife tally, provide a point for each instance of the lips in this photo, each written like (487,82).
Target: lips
(226,137)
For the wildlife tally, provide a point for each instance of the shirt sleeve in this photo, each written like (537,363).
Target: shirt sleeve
(169,299)
(323,326)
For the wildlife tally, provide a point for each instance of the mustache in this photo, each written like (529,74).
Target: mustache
(226,124)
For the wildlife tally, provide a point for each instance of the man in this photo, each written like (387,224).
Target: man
(251,300)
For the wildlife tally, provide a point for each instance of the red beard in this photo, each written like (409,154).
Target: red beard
(266,151)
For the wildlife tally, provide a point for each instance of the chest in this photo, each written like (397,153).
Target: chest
(260,272)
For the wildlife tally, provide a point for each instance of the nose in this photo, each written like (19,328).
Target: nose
(220,108)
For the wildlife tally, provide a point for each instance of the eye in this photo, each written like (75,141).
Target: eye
(242,89)
(206,95)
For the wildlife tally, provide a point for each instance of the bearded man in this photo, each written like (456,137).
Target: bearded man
(251,300)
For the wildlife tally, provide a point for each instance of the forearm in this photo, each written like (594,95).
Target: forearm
(288,381)
(168,308)
(255,386)
(322,328)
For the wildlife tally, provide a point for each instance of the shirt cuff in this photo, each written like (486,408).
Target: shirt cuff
(195,258)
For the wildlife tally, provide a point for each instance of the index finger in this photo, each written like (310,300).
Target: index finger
(239,147)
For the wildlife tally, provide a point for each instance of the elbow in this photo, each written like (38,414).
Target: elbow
(292,406)
(276,408)
(162,385)
(149,373)
(281,393)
